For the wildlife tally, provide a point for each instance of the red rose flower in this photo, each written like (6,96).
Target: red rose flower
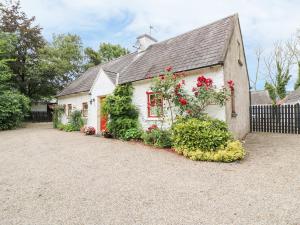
(183,101)
(168,68)
(231,84)
(194,89)
(199,84)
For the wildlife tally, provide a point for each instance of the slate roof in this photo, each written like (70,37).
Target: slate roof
(293,97)
(202,47)
(260,98)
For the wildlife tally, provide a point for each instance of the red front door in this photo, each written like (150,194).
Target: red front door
(103,118)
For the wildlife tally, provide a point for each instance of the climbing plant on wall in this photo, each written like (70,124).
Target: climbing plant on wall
(123,115)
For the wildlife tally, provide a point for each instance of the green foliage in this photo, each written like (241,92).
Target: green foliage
(177,99)
(206,139)
(118,127)
(105,53)
(92,56)
(28,42)
(282,80)
(67,127)
(123,115)
(76,121)
(133,134)
(277,89)
(158,138)
(57,114)
(62,59)
(193,134)
(6,46)
(272,92)
(13,109)
(232,152)
(297,84)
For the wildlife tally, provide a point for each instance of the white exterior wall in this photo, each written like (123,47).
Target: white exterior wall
(76,100)
(140,97)
(102,86)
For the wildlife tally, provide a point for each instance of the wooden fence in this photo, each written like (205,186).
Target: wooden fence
(277,118)
(40,117)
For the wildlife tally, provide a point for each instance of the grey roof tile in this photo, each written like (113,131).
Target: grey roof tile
(260,98)
(202,47)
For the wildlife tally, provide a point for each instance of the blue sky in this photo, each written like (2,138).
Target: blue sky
(263,22)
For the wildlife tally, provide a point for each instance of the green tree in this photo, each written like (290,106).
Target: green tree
(13,105)
(278,70)
(62,59)
(28,42)
(6,46)
(105,53)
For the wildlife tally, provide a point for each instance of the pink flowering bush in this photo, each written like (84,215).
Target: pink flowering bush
(90,131)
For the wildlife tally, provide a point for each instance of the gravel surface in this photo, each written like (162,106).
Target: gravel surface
(53,177)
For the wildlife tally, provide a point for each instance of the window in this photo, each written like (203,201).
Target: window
(155,104)
(69,110)
(85,109)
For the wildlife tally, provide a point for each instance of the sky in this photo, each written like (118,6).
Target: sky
(263,22)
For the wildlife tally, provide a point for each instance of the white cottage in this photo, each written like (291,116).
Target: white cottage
(215,50)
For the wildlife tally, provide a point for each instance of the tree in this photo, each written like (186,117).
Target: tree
(294,48)
(278,71)
(29,41)
(6,46)
(258,54)
(13,105)
(62,60)
(105,53)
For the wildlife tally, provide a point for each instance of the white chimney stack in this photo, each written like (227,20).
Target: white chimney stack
(144,41)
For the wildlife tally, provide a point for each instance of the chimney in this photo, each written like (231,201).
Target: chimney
(144,41)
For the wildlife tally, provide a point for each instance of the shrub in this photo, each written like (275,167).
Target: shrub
(76,120)
(204,134)
(14,107)
(90,131)
(157,137)
(69,127)
(119,126)
(133,133)
(57,114)
(123,115)
(60,126)
(232,152)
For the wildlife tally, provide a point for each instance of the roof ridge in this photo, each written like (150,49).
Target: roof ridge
(207,25)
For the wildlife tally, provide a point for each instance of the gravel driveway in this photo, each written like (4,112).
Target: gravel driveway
(53,177)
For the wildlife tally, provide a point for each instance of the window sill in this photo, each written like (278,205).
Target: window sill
(153,119)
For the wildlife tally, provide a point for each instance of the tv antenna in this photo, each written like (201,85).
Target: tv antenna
(150,29)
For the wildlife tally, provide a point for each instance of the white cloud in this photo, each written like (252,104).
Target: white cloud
(261,20)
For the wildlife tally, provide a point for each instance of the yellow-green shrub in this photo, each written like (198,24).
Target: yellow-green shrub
(206,134)
(232,152)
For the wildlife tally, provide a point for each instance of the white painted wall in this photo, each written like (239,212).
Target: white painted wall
(39,107)
(140,98)
(76,100)
(102,86)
